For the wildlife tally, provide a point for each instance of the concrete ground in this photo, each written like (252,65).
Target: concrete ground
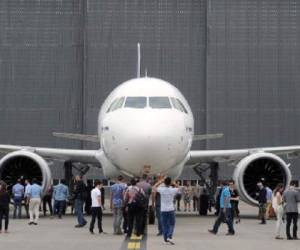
(190,234)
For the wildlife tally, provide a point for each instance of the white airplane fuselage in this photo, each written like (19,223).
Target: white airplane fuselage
(144,129)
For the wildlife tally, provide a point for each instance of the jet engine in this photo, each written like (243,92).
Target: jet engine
(25,164)
(256,167)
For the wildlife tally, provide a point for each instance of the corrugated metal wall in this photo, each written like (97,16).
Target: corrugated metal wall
(236,61)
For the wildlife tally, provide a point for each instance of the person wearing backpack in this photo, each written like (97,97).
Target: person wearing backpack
(167,193)
(134,200)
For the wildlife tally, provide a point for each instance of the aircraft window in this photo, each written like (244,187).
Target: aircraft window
(116,104)
(137,102)
(159,102)
(177,104)
(182,106)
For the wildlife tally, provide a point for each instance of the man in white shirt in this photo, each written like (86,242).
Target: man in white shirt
(96,207)
(167,208)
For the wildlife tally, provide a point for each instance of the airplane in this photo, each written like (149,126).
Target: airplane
(146,125)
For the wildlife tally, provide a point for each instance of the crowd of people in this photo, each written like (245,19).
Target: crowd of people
(130,204)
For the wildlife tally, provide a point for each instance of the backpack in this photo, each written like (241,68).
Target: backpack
(140,200)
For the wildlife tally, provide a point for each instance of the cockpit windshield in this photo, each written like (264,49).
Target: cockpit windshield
(177,104)
(116,104)
(138,102)
(159,102)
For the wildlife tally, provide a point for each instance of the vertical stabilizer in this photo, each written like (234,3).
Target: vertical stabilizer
(139,60)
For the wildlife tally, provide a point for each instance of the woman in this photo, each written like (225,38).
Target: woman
(277,203)
(4,206)
(187,195)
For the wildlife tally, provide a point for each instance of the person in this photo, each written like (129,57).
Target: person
(196,196)
(47,199)
(262,202)
(225,211)
(96,208)
(117,203)
(80,197)
(167,194)
(18,194)
(234,202)
(156,204)
(60,195)
(132,201)
(88,201)
(26,197)
(291,199)
(269,211)
(203,202)
(143,184)
(277,204)
(218,196)
(178,195)
(4,206)
(35,194)
(187,196)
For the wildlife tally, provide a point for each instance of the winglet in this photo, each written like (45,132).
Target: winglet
(138,73)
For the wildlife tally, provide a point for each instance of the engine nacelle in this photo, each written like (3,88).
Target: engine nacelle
(255,167)
(26,164)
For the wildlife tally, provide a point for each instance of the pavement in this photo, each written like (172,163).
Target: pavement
(190,234)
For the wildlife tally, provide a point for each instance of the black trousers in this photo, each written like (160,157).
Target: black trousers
(4,212)
(134,215)
(47,200)
(96,213)
(289,218)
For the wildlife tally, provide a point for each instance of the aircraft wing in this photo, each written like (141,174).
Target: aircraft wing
(73,155)
(233,155)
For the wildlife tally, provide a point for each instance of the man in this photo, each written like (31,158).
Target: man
(262,202)
(47,199)
(196,195)
(146,187)
(291,198)
(26,197)
(18,194)
(35,194)
(80,197)
(156,205)
(132,203)
(269,202)
(116,203)
(234,202)
(96,208)
(225,211)
(167,193)
(60,194)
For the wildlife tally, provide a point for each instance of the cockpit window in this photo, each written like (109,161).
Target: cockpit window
(159,102)
(116,104)
(177,104)
(138,102)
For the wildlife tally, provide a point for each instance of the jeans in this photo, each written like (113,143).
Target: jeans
(4,212)
(168,224)
(17,206)
(158,217)
(59,207)
(78,211)
(96,213)
(118,216)
(224,216)
(289,218)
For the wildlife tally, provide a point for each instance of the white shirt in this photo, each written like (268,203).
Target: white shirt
(167,195)
(95,195)
(27,190)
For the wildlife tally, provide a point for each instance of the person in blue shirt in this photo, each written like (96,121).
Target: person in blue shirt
(116,203)
(35,193)
(225,213)
(60,194)
(18,195)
